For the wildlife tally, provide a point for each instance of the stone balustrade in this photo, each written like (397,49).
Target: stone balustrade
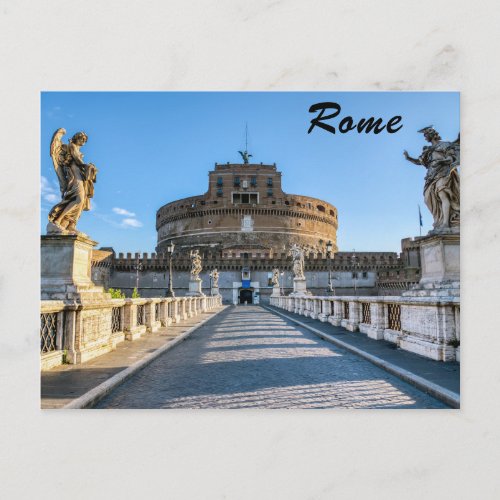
(429,326)
(76,332)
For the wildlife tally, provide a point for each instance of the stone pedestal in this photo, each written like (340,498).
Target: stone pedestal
(195,288)
(440,263)
(276,291)
(65,263)
(66,275)
(214,291)
(299,287)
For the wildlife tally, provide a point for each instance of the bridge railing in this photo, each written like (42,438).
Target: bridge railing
(75,333)
(429,326)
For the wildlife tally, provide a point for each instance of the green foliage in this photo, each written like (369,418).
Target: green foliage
(135,294)
(454,343)
(116,293)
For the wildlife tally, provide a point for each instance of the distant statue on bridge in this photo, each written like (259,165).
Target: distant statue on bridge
(76,182)
(442,181)
(195,264)
(215,278)
(276,277)
(298,261)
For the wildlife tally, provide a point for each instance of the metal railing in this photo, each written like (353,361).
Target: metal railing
(141,316)
(48,332)
(394,316)
(116,319)
(366,313)
(346,310)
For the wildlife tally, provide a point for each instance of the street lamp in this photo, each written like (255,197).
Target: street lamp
(170,251)
(137,267)
(329,248)
(282,291)
(355,265)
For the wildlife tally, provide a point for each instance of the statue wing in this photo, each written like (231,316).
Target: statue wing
(58,152)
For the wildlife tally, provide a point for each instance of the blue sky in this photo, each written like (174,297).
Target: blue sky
(155,147)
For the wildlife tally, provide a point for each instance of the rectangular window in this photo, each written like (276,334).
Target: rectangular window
(236,181)
(269,192)
(365,274)
(253,181)
(245,198)
(219,192)
(219,181)
(269,181)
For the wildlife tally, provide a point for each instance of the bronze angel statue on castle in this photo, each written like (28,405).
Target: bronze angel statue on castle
(76,181)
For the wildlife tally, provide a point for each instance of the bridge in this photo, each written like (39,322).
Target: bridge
(253,357)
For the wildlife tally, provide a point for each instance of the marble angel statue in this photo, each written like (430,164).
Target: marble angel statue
(195,264)
(76,182)
(442,181)
(298,261)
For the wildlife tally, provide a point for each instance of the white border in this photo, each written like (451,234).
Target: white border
(240,45)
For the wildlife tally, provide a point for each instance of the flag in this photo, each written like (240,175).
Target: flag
(420,216)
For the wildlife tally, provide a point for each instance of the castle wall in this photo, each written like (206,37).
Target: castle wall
(245,206)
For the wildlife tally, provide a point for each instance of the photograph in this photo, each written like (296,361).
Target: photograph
(250,250)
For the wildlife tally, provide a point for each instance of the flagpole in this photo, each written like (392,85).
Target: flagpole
(419,221)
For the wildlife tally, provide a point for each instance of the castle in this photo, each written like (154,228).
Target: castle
(244,225)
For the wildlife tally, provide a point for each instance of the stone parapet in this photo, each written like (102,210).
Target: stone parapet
(429,326)
(75,332)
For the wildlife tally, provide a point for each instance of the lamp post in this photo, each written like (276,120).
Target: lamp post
(355,266)
(137,267)
(211,278)
(282,290)
(170,251)
(329,247)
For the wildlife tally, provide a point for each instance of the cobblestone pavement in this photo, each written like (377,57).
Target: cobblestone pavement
(249,357)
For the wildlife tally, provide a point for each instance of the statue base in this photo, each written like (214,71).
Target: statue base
(440,264)
(195,288)
(66,268)
(276,291)
(299,287)
(66,261)
(214,291)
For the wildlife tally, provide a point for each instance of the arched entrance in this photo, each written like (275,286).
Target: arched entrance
(246,295)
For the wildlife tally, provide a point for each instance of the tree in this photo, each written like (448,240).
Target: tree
(135,294)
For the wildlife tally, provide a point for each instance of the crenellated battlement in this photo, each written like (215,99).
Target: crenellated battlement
(362,261)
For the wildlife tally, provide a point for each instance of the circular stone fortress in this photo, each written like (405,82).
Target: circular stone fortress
(245,212)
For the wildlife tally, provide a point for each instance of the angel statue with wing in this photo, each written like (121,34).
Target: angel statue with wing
(76,181)
(245,155)
(442,182)
(298,261)
(196,267)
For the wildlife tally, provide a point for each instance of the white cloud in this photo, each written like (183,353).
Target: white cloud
(53,198)
(48,192)
(122,211)
(131,223)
